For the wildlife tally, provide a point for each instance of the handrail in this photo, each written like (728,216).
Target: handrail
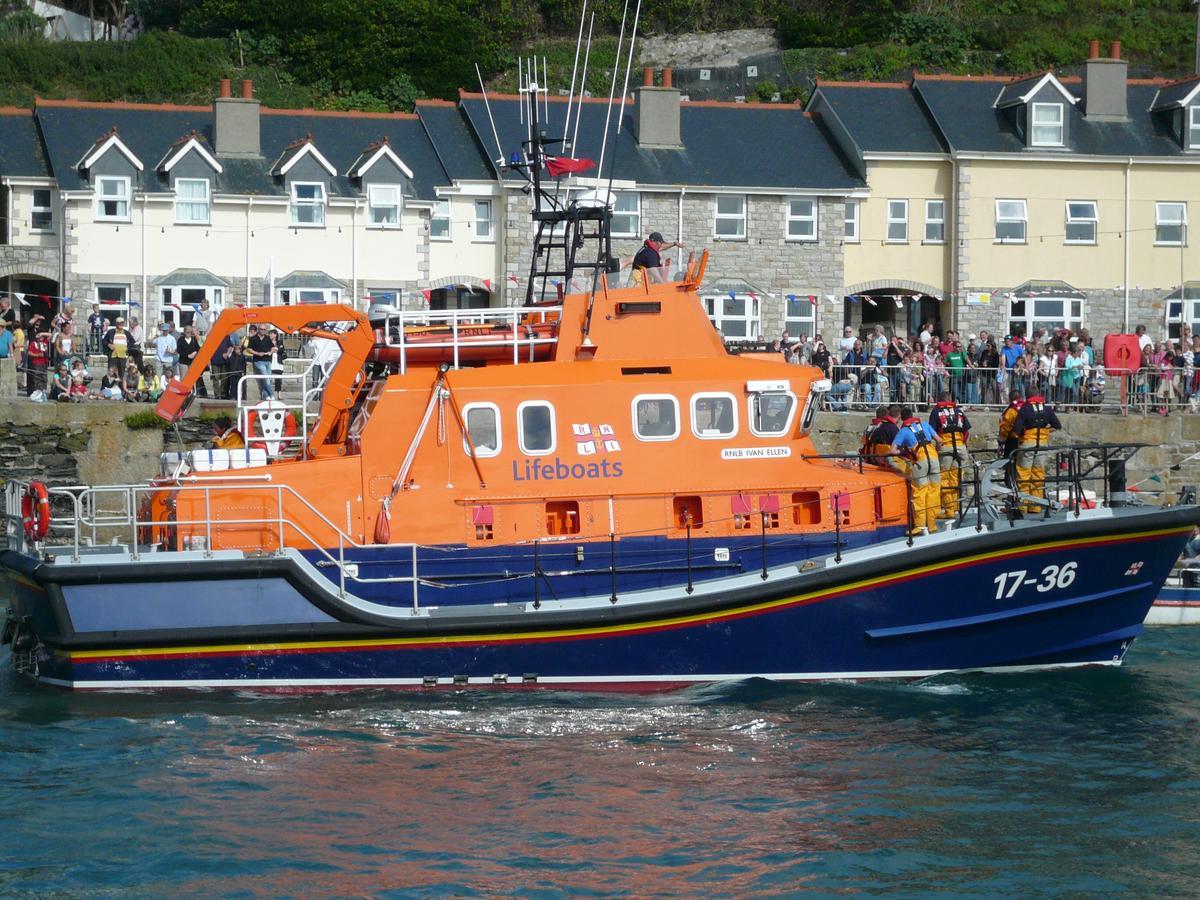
(515,318)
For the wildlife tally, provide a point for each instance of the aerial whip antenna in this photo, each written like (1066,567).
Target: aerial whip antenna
(612,90)
(583,85)
(488,107)
(574,70)
(628,67)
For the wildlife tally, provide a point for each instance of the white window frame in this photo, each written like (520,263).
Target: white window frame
(34,209)
(1160,222)
(318,205)
(938,220)
(120,307)
(1193,128)
(850,227)
(630,219)
(181,204)
(633,410)
(166,295)
(521,427)
(718,317)
(483,454)
(306,296)
(738,219)
(787,426)
(441,206)
(485,229)
(1059,126)
(1093,220)
(1029,320)
(1023,218)
(791,219)
(125,197)
(901,220)
(714,395)
(384,197)
(809,322)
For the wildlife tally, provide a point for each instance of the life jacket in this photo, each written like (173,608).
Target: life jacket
(923,448)
(878,437)
(866,443)
(951,424)
(1007,418)
(1037,425)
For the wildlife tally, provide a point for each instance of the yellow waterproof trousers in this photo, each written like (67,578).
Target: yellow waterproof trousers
(952,470)
(925,475)
(1031,474)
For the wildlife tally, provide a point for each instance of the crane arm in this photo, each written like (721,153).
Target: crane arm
(342,387)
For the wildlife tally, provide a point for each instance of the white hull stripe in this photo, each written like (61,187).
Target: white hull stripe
(550,680)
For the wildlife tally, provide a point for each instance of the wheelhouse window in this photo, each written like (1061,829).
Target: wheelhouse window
(1046,128)
(736,317)
(935,221)
(714,416)
(897,222)
(730,216)
(483,220)
(801,219)
(1170,224)
(1193,129)
(535,427)
(800,314)
(112,199)
(1027,314)
(851,226)
(439,221)
(1012,216)
(41,218)
(771,412)
(191,201)
(308,204)
(1081,222)
(483,429)
(656,417)
(627,214)
(383,205)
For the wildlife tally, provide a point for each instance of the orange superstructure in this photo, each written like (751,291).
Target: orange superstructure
(638,424)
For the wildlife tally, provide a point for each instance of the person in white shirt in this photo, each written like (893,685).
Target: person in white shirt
(202,320)
(165,347)
(1144,340)
(846,341)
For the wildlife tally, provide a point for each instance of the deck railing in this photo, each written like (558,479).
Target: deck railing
(509,326)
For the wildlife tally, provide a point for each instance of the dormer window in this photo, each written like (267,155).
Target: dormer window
(112,199)
(191,201)
(1046,128)
(308,204)
(383,201)
(1193,131)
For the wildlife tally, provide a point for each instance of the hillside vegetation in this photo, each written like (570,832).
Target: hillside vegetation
(382,54)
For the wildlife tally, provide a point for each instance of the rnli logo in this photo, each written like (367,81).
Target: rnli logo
(593,439)
(1135,568)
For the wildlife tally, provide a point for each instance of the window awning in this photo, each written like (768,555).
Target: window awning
(1048,288)
(1189,291)
(735,285)
(190,278)
(302,279)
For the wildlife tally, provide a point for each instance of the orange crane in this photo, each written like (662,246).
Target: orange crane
(342,387)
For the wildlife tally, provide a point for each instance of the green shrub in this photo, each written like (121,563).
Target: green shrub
(145,420)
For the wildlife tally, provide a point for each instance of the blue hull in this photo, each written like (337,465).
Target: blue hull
(1051,595)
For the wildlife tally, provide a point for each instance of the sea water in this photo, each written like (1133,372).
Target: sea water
(1075,782)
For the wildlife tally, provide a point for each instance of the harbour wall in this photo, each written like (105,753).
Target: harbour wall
(90,443)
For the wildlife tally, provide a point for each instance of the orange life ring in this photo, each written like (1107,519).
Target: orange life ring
(290,429)
(35,511)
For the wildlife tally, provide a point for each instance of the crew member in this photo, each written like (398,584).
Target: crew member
(1032,428)
(225,435)
(1006,440)
(647,263)
(878,436)
(916,442)
(953,430)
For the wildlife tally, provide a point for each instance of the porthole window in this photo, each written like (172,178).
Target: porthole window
(483,429)
(771,412)
(535,427)
(656,417)
(714,416)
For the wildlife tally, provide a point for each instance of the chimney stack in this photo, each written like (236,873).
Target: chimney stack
(668,78)
(656,114)
(647,77)
(1104,85)
(236,122)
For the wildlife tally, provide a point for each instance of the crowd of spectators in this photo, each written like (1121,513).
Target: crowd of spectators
(52,357)
(982,369)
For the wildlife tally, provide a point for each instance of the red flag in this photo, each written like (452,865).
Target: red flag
(426,292)
(562,165)
(514,279)
(812,298)
(487,283)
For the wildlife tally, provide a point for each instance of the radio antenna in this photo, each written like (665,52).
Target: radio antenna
(488,107)
(612,90)
(628,67)
(583,86)
(574,70)
(520,90)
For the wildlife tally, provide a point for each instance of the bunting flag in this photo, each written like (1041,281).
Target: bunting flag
(792,297)
(870,299)
(487,283)
(899,303)
(514,279)
(426,292)
(853,298)
(733,295)
(752,295)
(565,165)
(21,299)
(812,298)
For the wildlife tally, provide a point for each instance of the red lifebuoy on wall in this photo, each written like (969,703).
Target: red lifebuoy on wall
(35,511)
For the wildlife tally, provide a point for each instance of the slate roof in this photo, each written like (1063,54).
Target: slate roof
(1176,93)
(743,145)
(310,279)
(70,128)
(962,109)
(20,147)
(882,118)
(190,278)
(454,141)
